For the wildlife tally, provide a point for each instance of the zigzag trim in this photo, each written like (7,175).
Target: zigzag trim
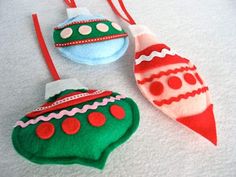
(72,112)
(161,54)
(181,96)
(166,73)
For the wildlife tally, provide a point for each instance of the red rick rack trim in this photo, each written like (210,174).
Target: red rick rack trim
(80,22)
(165,73)
(91,40)
(181,96)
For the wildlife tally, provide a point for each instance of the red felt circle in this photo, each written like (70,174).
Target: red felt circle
(198,78)
(96,119)
(174,82)
(45,130)
(117,111)
(189,78)
(70,125)
(156,88)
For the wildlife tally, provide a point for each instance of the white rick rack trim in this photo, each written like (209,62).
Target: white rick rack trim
(72,112)
(161,54)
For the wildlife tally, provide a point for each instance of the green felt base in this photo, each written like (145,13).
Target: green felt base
(90,146)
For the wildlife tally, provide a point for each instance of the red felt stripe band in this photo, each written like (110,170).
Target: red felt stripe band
(85,41)
(129,19)
(67,103)
(165,73)
(70,3)
(44,49)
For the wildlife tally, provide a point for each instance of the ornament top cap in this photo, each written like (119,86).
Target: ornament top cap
(73,12)
(58,86)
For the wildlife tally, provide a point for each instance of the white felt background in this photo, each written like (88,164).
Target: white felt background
(202,30)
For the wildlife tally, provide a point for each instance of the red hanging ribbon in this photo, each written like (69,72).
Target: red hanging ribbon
(44,49)
(70,3)
(129,19)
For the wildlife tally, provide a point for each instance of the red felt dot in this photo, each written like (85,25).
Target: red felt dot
(71,125)
(96,119)
(45,130)
(174,82)
(198,78)
(156,88)
(189,78)
(117,111)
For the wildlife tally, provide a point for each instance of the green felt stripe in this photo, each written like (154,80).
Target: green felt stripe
(76,36)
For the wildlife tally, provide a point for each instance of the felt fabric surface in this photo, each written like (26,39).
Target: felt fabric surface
(99,41)
(88,128)
(201,30)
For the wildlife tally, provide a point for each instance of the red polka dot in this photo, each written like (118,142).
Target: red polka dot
(117,111)
(45,130)
(96,119)
(189,78)
(156,88)
(174,82)
(199,78)
(70,125)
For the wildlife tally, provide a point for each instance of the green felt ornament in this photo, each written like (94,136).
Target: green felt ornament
(76,125)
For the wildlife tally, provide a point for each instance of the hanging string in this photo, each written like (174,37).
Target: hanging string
(129,19)
(70,3)
(44,49)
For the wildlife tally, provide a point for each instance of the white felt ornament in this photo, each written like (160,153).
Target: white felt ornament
(170,82)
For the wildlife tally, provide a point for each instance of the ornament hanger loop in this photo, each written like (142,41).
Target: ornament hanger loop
(70,3)
(44,49)
(129,19)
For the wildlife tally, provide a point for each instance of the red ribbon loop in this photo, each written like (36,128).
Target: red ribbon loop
(129,19)
(44,49)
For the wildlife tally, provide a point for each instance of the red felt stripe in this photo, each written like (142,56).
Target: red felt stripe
(44,49)
(34,114)
(91,40)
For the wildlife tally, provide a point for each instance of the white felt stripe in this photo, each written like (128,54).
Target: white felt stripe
(161,54)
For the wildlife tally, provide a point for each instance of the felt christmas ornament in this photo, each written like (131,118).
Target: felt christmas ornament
(89,39)
(170,82)
(76,125)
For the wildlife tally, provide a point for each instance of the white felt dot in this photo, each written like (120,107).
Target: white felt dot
(66,33)
(85,30)
(116,26)
(102,27)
